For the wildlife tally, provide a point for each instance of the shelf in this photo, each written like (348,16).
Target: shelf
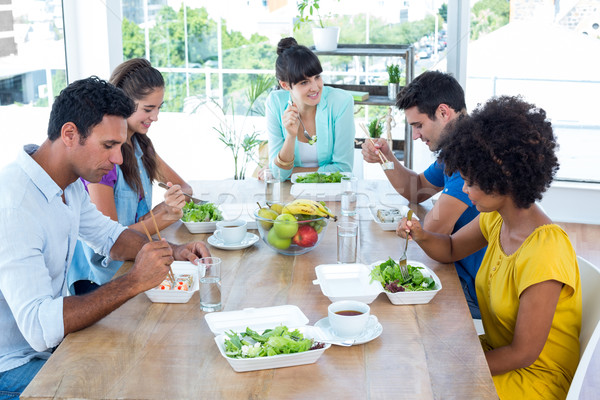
(397,144)
(377,94)
(377,50)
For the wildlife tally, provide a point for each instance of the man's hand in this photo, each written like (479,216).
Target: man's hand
(369,151)
(149,269)
(151,265)
(190,251)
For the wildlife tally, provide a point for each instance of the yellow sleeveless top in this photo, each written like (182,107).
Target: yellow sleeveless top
(546,254)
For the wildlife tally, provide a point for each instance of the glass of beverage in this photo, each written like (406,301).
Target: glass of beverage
(347,240)
(210,284)
(272,186)
(349,186)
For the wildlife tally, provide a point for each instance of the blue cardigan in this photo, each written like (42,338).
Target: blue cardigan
(334,121)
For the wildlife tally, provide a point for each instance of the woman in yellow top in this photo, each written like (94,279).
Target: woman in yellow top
(528,285)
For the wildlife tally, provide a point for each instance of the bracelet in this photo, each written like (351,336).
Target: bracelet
(283,163)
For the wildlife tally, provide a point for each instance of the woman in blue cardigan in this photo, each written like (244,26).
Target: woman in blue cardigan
(125,193)
(304,109)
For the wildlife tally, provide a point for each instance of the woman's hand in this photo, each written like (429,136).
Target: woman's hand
(174,202)
(411,228)
(290,120)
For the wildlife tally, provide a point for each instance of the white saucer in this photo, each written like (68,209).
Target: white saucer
(248,241)
(374,329)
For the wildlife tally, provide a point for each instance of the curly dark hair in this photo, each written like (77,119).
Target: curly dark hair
(506,147)
(85,103)
(430,89)
(295,62)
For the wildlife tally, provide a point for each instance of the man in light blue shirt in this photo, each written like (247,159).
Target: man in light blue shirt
(44,208)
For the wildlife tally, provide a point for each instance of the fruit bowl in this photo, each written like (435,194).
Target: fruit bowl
(306,232)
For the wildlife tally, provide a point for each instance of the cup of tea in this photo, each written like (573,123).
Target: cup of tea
(348,318)
(231,232)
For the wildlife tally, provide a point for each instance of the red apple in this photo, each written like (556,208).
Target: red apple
(306,236)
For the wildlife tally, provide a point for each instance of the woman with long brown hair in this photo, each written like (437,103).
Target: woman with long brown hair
(125,193)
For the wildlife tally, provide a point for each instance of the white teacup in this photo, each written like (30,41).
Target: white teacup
(348,318)
(231,232)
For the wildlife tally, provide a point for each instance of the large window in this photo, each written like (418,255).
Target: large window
(206,51)
(32,70)
(550,56)
(547,52)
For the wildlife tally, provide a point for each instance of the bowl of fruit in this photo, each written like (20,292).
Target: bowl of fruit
(294,228)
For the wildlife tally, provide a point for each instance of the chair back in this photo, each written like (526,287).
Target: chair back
(590,326)
(590,300)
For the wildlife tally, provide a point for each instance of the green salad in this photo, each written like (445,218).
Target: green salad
(201,212)
(388,273)
(317,177)
(250,344)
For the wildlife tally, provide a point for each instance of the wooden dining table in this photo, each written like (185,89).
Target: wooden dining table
(146,350)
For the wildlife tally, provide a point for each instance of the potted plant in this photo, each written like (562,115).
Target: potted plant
(394,80)
(243,141)
(375,128)
(324,37)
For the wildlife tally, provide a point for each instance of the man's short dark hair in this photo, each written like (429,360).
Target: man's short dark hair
(430,89)
(85,103)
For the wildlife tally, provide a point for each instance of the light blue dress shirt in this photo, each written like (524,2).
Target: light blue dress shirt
(334,121)
(38,233)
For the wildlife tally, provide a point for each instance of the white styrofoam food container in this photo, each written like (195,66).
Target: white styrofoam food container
(407,297)
(352,282)
(347,282)
(260,319)
(388,226)
(318,191)
(201,227)
(177,296)
(230,212)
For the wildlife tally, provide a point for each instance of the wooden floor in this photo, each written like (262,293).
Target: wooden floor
(585,240)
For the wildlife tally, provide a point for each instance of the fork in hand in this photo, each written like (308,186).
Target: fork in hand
(402,261)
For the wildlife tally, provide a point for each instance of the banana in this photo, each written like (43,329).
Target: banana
(325,210)
(308,207)
(302,208)
(321,208)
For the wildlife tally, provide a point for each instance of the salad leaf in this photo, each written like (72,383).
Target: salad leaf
(316,177)
(201,212)
(388,274)
(251,344)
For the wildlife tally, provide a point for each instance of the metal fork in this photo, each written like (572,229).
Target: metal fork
(192,198)
(311,140)
(344,343)
(402,261)
(306,135)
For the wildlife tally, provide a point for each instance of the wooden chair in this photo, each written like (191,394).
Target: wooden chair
(590,326)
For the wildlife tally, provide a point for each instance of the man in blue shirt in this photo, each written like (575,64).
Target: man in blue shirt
(431,101)
(44,209)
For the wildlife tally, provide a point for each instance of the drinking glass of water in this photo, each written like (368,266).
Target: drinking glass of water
(272,186)
(349,186)
(210,283)
(347,240)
